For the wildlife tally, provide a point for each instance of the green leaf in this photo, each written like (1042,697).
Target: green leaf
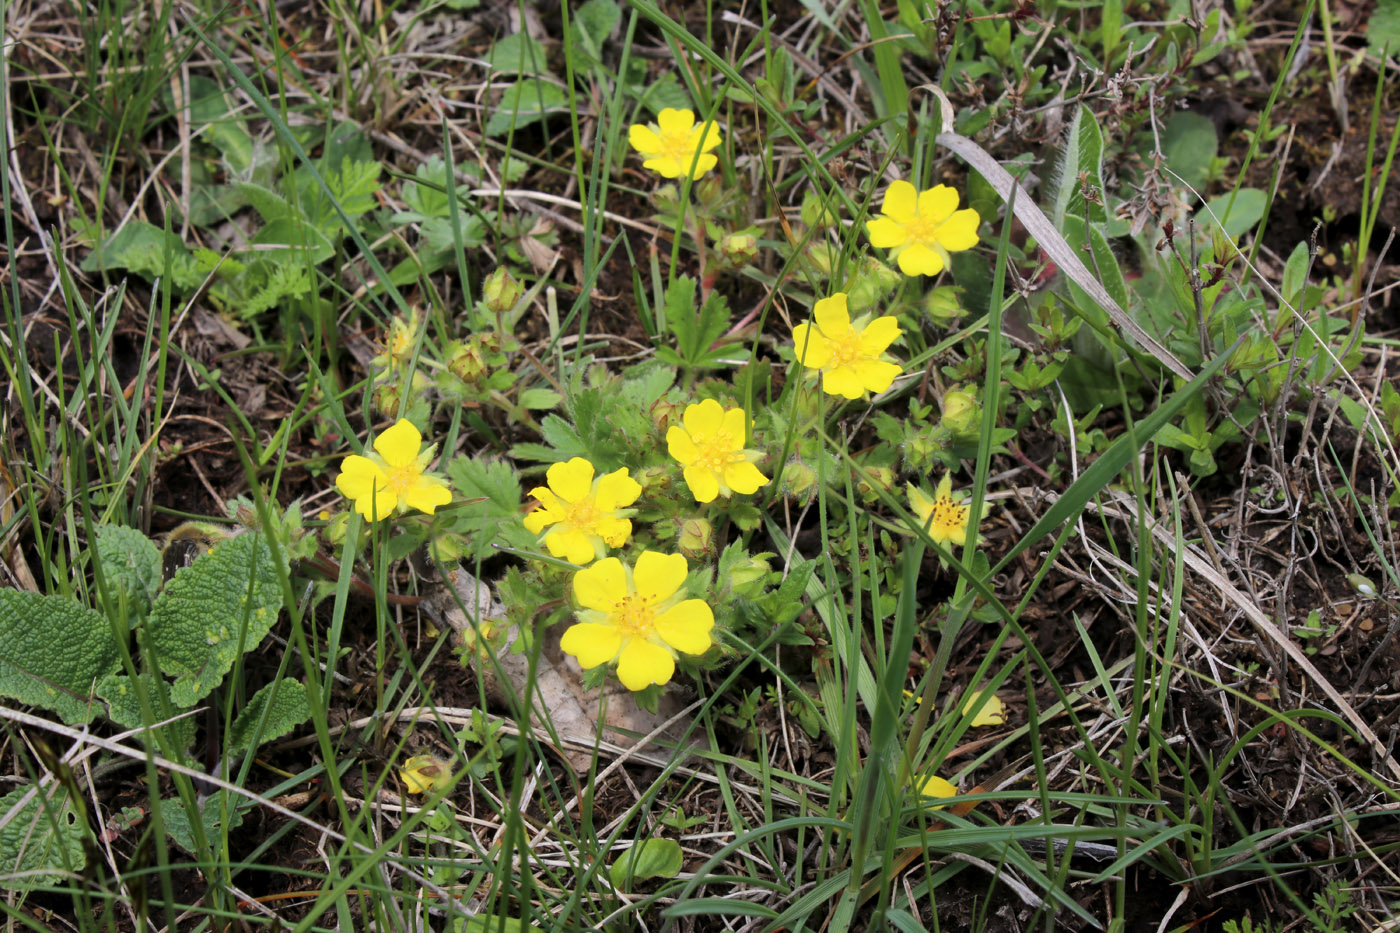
(1189,143)
(177,822)
(131,564)
(1383,30)
(52,652)
(118,691)
(517,54)
(269,204)
(540,399)
(498,519)
(524,103)
(287,707)
(650,858)
(593,22)
(1081,164)
(491,923)
(1295,274)
(225,601)
(143,248)
(292,239)
(1104,263)
(40,844)
(1247,210)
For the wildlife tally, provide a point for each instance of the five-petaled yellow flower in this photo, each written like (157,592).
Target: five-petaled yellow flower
(943,517)
(710,447)
(920,228)
(674,146)
(636,617)
(588,514)
(392,476)
(848,356)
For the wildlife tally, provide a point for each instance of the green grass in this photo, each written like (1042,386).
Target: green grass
(1172,460)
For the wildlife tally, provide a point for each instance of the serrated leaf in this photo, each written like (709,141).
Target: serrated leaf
(144,248)
(593,22)
(227,600)
(269,204)
(41,843)
(177,822)
(287,706)
(52,653)
(118,691)
(498,519)
(517,54)
(561,436)
(130,563)
(650,858)
(524,103)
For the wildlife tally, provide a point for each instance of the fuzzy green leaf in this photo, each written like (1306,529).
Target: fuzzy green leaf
(131,564)
(524,103)
(289,709)
(41,843)
(177,822)
(52,652)
(498,519)
(195,627)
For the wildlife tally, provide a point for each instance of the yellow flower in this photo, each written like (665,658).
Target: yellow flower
(392,477)
(848,357)
(635,616)
(935,786)
(588,513)
(711,448)
(992,713)
(674,146)
(423,774)
(944,519)
(920,228)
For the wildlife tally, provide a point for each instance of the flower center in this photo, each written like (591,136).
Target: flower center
(582,514)
(634,616)
(717,452)
(921,230)
(947,513)
(401,479)
(846,349)
(679,146)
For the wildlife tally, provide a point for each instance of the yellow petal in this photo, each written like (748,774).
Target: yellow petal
(876,375)
(643,664)
(992,713)
(686,627)
(813,350)
(616,490)
(935,786)
(677,122)
(959,231)
(615,531)
(831,316)
(423,773)
(591,643)
(680,446)
(664,165)
(602,585)
(878,335)
(843,381)
(918,259)
(937,203)
(921,504)
(399,444)
(644,139)
(900,202)
(736,425)
(703,420)
(359,476)
(703,164)
(427,494)
(656,576)
(572,545)
(573,481)
(703,483)
(886,233)
(744,478)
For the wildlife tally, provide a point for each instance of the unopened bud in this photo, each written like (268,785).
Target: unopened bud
(465,361)
(960,412)
(815,213)
(739,249)
(696,539)
(944,304)
(874,480)
(501,291)
(799,480)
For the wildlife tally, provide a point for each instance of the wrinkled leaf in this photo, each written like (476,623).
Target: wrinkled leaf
(52,653)
(40,843)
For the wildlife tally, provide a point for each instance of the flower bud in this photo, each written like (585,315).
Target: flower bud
(815,214)
(873,282)
(501,291)
(960,412)
(386,398)
(709,190)
(1362,585)
(873,481)
(820,259)
(449,548)
(739,249)
(666,198)
(799,480)
(653,479)
(943,304)
(466,362)
(747,577)
(665,413)
(696,539)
